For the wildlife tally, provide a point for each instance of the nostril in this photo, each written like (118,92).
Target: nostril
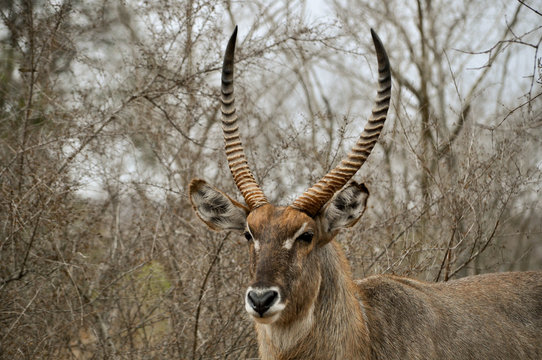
(250,297)
(269,298)
(261,301)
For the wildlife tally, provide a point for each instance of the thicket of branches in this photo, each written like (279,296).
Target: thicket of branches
(108,110)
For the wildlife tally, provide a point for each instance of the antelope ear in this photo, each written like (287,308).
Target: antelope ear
(345,208)
(216,209)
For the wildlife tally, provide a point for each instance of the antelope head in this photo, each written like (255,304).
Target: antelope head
(284,241)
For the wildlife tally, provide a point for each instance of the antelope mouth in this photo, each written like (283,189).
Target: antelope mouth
(264,304)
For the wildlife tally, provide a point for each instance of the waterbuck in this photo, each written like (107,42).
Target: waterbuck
(302,297)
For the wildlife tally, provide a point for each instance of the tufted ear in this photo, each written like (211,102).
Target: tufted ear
(344,209)
(216,209)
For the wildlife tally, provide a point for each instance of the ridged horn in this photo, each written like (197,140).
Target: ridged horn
(235,153)
(314,198)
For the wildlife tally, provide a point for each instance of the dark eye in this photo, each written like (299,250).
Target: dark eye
(306,237)
(248,236)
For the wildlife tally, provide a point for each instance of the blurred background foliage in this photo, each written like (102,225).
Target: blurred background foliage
(109,108)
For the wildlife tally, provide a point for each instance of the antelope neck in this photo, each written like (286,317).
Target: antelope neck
(337,316)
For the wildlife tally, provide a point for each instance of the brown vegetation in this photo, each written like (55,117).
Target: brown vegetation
(107,111)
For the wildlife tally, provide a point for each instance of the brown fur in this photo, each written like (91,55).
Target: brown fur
(338,329)
(495,316)
(327,315)
(302,297)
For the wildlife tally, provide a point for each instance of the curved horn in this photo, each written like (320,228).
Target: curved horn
(314,198)
(235,153)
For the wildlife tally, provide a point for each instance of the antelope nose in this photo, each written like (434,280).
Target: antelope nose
(261,301)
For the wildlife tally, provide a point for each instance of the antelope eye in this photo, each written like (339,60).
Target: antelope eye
(306,237)
(248,236)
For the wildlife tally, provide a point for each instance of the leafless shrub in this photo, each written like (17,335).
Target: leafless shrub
(107,112)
